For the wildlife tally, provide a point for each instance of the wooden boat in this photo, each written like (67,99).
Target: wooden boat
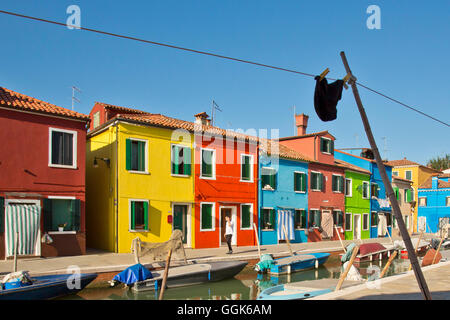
(45,287)
(422,249)
(372,252)
(192,274)
(303,289)
(298,262)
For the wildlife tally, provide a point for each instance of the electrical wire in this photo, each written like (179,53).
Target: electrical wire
(215,55)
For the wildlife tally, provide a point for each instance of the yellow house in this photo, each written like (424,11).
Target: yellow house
(133,189)
(415,172)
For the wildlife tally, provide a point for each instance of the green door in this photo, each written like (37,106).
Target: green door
(180,220)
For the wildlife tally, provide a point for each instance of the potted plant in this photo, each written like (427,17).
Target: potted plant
(61,227)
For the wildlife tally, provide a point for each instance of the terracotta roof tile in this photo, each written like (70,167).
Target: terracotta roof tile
(274,148)
(441,184)
(402,162)
(402,179)
(14,100)
(124,109)
(321,133)
(350,166)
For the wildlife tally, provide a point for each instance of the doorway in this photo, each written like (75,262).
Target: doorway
(357,226)
(230,212)
(181,218)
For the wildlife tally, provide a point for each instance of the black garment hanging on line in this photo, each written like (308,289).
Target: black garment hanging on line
(326,97)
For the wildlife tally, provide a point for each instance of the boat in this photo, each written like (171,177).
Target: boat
(191,274)
(295,263)
(23,287)
(421,249)
(372,252)
(303,289)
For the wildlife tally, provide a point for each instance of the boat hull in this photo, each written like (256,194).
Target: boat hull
(268,294)
(47,287)
(294,266)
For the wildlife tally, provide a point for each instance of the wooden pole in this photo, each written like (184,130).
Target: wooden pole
(386,267)
(16,241)
(387,231)
(439,248)
(417,248)
(136,247)
(339,236)
(389,190)
(344,274)
(257,239)
(166,273)
(287,240)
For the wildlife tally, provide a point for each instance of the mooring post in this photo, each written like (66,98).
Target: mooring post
(166,273)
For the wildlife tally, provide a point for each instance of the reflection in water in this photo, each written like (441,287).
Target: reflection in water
(246,286)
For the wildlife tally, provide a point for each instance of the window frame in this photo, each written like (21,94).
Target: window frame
(146,164)
(74,148)
(351,187)
(340,177)
(130,201)
(306,181)
(406,174)
(273,188)
(251,180)
(343,216)
(311,218)
(320,174)
(72,198)
(96,118)
(273,211)
(251,216)
(213,165)
(330,141)
(365,183)
(306,223)
(371,194)
(213,216)
(351,221)
(368,221)
(419,202)
(171,160)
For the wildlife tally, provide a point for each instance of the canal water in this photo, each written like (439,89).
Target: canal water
(244,286)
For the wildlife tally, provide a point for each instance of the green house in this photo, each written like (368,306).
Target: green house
(357,190)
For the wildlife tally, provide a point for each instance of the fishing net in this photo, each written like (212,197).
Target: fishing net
(157,251)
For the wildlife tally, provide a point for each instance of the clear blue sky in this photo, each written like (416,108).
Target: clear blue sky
(407,59)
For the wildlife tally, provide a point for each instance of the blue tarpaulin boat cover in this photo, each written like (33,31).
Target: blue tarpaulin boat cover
(133,274)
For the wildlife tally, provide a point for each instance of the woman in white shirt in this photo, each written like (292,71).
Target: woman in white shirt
(228,233)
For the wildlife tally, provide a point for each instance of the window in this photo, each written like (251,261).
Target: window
(374,218)
(300,219)
(338,218)
(299,181)
(397,192)
(395,173)
(181,160)
(348,187)
(96,121)
(208,164)
(316,181)
(337,183)
(139,215)
(422,201)
(326,145)
(408,175)
(268,178)
(447,202)
(388,216)
(62,148)
(374,190)
(365,221)
(348,221)
(136,155)
(246,167)
(207,217)
(315,218)
(407,195)
(365,190)
(59,212)
(246,216)
(268,219)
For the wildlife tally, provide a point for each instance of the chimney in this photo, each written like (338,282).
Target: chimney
(434,183)
(301,121)
(202,118)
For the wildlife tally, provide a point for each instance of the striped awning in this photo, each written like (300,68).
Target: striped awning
(23,219)
(286,219)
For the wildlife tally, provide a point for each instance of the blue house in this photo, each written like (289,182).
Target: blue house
(434,203)
(282,195)
(380,207)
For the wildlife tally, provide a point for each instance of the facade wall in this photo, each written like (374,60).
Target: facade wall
(405,207)
(436,207)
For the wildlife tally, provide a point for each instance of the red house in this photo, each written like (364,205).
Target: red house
(326,198)
(225,185)
(42,177)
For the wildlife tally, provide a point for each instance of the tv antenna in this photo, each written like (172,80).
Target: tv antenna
(75,99)
(214,107)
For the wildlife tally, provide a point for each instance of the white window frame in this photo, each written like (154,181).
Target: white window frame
(368,190)
(411,174)
(62,198)
(325,138)
(129,215)
(418,201)
(267,230)
(368,221)
(213,213)
(306,175)
(320,174)
(251,216)
(273,170)
(300,209)
(74,148)
(251,167)
(213,164)
(96,116)
(146,156)
(337,175)
(351,221)
(351,187)
(171,150)
(309,215)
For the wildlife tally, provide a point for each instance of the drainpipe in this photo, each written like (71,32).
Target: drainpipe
(116,202)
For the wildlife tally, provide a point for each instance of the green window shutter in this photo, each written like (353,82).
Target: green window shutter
(2,214)
(245,168)
(331,146)
(408,195)
(317,218)
(321,181)
(334,183)
(322,145)
(76,215)
(304,219)
(206,216)
(146,217)
(264,180)
(142,156)
(47,212)
(303,185)
(128,154)
(207,163)
(187,161)
(341,187)
(296,181)
(133,224)
(272,218)
(175,160)
(246,214)
(396,190)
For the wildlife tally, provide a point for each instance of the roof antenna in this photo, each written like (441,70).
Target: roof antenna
(74,99)
(385,149)
(214,107)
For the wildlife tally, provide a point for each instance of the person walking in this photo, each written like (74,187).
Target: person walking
(229,233)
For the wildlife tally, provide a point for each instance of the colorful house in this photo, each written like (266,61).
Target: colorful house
(404,193)
(42,184)
(357,202)
(282,194)
(226,165)
(140,178)
(326,179)
(380,208)
(415,172)
(434,203)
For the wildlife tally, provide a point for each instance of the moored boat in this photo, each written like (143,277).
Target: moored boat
(372,252)
(295,263)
